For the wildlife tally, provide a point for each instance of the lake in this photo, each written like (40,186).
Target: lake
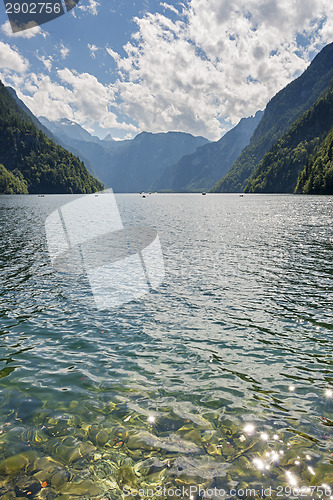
(220,379)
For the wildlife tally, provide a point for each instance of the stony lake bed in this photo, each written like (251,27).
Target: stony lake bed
(218,384)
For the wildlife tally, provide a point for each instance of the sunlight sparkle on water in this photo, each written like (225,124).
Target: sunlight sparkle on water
(249,429)
(259,464)
(291,479)
(310,469)
(329,393)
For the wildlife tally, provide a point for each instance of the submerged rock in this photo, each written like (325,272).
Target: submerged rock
(150,466)
(198,470)
(83,489)
(8,495)
(125,476)
(68,450)
(17,463)
(27,487)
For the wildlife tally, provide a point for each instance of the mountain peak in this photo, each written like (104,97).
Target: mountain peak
(108,138)
(65,128)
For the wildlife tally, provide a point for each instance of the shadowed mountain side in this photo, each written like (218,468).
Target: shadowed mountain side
(280,113)
(200,170)
(279,170)
(130,165)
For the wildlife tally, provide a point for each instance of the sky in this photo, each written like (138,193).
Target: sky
(195,66)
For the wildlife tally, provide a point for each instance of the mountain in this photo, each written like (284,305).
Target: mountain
(317,175)
(47,132)
(130,165)
(108,138)
(27,111)
(144,159)
(280,168)
(66,129)
(280,113)
(203,168)
(31,162)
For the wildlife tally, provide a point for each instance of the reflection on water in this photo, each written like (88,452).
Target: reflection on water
(221,379)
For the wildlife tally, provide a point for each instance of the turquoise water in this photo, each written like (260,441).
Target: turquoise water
(222,378)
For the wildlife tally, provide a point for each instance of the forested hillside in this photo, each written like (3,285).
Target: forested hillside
(33,163)
(280,113)
(317,175)
(279,170)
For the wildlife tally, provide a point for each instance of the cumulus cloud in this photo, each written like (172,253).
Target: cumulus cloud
(217,61)
(64,51)
(198,68)
(47,61)
(169,7)
(91,6)
(28,33)
(77,96)
(11,59)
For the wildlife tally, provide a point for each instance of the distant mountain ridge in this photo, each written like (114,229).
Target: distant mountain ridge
(129,165)
(280,113)
(137,166)
(203,168)
(30,161)
(66,129)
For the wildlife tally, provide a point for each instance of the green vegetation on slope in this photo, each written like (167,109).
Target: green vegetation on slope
(11,183)
(279,170)
(280,113)
(33,163)
(317,175)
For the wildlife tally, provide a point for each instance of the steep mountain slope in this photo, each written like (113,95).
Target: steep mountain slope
(33,163)
(200,170)
(280,113)
(66,129)
(27,111)
(10,183)
(43,127)
(279,170)
(317,175)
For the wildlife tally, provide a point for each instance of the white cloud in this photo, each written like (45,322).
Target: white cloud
(64,51)
(91,7)
(93,49)
(198,71)
(28,33)
(169,7)
(218,61)
(77,96)
(47,61)
(113,54)
(11,59)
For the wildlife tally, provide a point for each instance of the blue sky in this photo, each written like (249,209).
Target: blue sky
(197,66)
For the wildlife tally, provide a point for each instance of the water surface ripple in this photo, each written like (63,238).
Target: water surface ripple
(239,334)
